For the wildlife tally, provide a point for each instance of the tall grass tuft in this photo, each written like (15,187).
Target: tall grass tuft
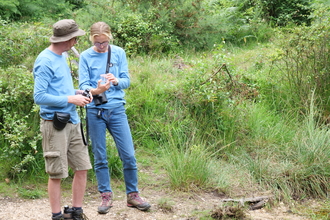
(310,153)
(188,169)
(293,168)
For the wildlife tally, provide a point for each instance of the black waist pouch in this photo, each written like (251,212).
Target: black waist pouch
(60,120)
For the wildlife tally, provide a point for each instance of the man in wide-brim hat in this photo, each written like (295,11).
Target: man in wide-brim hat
(62,145)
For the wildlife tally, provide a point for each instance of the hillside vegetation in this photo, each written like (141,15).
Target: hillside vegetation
(224,95)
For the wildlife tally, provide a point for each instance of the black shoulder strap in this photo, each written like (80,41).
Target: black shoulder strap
(109,58)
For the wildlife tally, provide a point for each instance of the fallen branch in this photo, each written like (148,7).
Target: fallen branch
(260,201)
(259,205)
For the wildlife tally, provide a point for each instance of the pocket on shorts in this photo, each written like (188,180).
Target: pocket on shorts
(53,162)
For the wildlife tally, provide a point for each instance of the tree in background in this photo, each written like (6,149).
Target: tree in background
(26,9)
(279,12)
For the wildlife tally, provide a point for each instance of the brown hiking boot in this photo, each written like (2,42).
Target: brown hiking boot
(106,203)
(135,201)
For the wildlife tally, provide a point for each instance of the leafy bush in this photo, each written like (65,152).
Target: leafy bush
(136,32)
(280,12)
(153,27)
(303,58)
(20,43)
(140,35)
(212,92)
(19,123)
(26,9)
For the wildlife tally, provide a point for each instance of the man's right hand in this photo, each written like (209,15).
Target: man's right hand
(79,100)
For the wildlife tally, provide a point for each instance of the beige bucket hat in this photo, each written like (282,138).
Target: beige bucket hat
(65,30)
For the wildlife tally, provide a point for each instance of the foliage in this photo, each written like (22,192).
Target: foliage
(26,9)
(135,32)
(31,193)
(8,8)
(188,169)
(318,213)
(140,36)
(20,139)
(293,167)
(303,58)
(20,43)
(166,204)
(153,28)
(77,4)
(278,13)
(213,93)
(147,97)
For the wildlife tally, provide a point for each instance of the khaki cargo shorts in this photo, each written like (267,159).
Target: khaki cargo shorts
(63,149)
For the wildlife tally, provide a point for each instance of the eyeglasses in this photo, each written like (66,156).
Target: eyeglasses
(104,44)
(75,39)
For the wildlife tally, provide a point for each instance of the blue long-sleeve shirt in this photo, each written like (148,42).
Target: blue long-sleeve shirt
(92,64)
(52,85)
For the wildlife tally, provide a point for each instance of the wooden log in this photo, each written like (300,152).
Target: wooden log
(253,199)
(260,201)
(259,205)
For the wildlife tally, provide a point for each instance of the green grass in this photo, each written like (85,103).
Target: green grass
(7,189)
(31,193)
(166,204)
(188,169)
(315,209)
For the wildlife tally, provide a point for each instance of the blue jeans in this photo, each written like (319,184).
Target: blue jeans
(115,120)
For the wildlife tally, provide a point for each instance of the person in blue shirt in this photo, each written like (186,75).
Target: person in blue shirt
(109,114)
(62,147)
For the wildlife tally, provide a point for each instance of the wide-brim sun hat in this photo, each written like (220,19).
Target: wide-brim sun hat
(65,30)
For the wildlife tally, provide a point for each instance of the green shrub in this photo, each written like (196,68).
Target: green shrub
(19,124)
(34,10)
(280,12)
(212,93)
(134,31)
(303,60)
(20,43)
(138,35)
(8,8)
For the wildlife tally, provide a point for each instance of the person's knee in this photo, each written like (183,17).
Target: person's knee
(129,163)
(81,173)
(100,163)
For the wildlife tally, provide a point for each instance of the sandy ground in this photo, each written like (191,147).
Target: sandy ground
(183,206)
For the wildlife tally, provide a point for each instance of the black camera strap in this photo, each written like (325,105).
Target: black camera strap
(85,138)
(108,62)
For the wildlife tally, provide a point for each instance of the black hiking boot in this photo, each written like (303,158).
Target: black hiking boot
(74,214)
(59,217)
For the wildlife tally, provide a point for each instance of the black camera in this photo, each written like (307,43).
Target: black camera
(86,93)
(100,99)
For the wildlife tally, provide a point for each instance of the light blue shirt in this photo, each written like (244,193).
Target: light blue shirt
(52,85)
(92,64)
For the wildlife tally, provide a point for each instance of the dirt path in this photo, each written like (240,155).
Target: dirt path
(184,207)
